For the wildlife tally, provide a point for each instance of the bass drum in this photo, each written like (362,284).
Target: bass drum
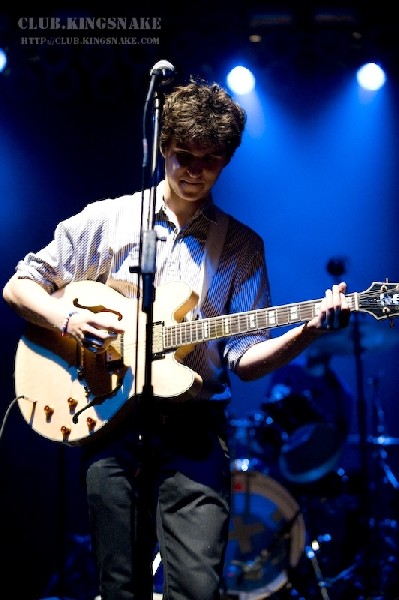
(266,537)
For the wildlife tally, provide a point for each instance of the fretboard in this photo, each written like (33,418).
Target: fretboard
(202,330)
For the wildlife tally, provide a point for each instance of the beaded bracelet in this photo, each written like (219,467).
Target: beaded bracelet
(64,328)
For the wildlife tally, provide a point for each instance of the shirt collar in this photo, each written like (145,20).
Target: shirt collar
(207,209)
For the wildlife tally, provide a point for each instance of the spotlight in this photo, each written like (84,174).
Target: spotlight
(371,76)
(240,80)
(3,60)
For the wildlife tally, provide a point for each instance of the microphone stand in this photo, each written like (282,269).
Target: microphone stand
(148,253)
(161,73)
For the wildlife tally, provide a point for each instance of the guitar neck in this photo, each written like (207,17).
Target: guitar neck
(202,330)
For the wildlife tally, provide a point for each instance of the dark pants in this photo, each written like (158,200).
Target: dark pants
(165,480)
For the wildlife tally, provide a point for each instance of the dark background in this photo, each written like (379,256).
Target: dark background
(317,176)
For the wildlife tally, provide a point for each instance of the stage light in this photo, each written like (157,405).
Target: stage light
(3,60)
(371,76)
(240,80)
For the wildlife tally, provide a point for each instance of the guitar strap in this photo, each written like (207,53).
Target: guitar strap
(213,249)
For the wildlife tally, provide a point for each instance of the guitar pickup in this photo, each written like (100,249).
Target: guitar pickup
(157,340)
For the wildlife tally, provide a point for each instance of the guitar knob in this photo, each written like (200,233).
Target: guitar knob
(91,423)
(48,411)
(65,431)
(72,403)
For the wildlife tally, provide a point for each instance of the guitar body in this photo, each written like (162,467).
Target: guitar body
(56,378)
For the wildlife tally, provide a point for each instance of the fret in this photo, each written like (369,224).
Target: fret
(317,308)
(252,320)
(185,336)
(218,328)
(352,302)
(226,325)
(271,317)
(214,332)
(195,331)
(242,323)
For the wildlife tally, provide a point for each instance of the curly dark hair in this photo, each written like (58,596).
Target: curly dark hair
(204,114)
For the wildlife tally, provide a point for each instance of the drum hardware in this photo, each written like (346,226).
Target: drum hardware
(358,337)
(329,585)
(378,558)
(379,440)
(246,452)
(374,570)
(311,553)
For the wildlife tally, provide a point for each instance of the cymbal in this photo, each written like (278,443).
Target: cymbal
(374,336)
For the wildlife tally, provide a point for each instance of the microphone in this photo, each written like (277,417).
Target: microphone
(164,71)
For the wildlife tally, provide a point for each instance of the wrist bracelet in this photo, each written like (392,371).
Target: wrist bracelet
(64,328)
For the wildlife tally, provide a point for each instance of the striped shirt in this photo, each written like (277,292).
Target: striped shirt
(102,243)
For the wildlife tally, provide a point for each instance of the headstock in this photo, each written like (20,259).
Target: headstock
(381,300)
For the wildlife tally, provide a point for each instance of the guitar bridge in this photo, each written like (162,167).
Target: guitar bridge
(113,360)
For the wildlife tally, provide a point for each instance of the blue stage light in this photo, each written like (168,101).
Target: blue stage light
(371,76)
(240,80)
(3,60)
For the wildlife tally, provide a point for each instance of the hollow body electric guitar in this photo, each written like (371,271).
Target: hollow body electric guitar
(68,394)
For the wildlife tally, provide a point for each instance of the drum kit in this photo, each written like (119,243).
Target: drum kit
(271,498)
(295,530)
